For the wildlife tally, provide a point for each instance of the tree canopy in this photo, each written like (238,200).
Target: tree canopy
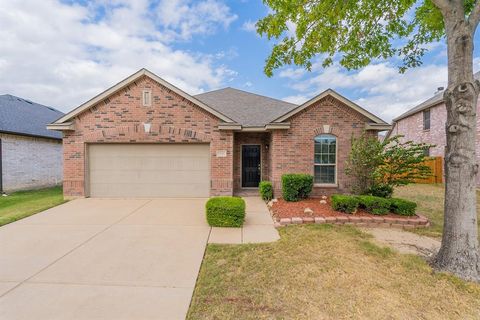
(354,32)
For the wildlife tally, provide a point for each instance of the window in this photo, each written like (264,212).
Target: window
(426,119)
(147,98)
(325,159)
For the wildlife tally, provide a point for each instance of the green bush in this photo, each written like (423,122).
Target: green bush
(266,190)
(345,203)
(296,186)
(403,207)
(381,190)
(225,211)
(375,205)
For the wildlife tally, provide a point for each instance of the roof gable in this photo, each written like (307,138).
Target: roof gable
(24,117)
(337,96)
(122,84)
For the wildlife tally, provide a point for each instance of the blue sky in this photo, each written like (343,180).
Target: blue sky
(61,53)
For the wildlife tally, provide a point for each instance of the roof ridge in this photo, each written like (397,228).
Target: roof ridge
(252,93)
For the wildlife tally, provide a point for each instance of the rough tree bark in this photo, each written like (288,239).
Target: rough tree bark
(459,253)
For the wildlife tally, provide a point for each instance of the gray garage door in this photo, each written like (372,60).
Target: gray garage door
(149,170)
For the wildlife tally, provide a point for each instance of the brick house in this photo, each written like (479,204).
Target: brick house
(146,138)
(30,155)
(426,123)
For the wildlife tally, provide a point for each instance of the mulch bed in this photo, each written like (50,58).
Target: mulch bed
(284,209)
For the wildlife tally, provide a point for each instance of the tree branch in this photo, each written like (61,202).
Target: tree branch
(474,17)
(443,5)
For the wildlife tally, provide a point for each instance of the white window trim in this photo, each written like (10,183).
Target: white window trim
(335,183)
(149,102)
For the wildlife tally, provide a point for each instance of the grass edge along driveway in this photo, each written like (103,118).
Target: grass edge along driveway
(22,204)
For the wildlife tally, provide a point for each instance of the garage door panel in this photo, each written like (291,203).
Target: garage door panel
(155,170)
(137,162)
(145,176)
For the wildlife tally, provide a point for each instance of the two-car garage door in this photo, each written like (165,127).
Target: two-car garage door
(149,170)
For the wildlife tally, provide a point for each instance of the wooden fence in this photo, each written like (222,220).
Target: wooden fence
(436,165)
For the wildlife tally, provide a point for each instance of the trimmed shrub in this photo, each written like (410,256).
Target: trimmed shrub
(403,207)
(345,203)
(381,190)
(266,190)
(296,186)
(375,205)
(225,211)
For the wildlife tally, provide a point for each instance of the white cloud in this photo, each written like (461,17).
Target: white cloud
(249,26)
(383,90)
(62,55)
(296,99)
(188,18)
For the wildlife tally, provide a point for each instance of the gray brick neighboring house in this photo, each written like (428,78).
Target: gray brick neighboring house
(426,123)
(30,155)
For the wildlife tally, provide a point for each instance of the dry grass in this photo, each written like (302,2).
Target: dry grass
(429,198)
(325,272)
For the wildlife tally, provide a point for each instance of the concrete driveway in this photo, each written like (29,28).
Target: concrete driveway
(103,259)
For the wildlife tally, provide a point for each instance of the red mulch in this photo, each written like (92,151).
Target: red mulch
(285,209)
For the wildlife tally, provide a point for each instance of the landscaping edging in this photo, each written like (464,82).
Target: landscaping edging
(384,222)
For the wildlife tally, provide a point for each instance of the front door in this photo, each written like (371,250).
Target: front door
(251,170)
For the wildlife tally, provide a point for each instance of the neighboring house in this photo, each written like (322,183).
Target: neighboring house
(146,138)
(30,155)
(426,123)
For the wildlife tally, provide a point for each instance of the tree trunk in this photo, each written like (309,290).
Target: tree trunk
(459,253)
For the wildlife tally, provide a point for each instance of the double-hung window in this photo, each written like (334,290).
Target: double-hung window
(325,159)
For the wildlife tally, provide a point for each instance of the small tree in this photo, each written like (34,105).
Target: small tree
(382,165)
(366,155)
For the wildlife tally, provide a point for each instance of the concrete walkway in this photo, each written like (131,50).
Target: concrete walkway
(112,258)
(258,227)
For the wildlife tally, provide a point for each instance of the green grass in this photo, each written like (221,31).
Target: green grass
(429,199)
(22,204)
(325,272)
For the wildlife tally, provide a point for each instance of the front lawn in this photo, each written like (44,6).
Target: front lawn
(22,204)
(429,198)
(325,272)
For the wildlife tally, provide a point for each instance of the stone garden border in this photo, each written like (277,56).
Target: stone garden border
(419,221)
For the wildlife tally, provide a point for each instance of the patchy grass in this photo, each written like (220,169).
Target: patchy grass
(429,198)
(325,272)
(22,204)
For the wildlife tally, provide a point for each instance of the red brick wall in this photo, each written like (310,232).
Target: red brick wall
(292,151)
(120,118)
(261,138)
(412,130)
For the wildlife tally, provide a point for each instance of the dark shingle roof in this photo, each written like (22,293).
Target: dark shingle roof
(436,99)
(245,108)
(21,116)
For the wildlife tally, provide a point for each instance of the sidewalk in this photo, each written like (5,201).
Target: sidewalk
(258,227)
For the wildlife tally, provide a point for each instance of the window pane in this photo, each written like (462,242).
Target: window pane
(324,174)
(324,158)
(317,158)
(331,159)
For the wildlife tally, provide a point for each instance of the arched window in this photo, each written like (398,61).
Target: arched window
(325,163)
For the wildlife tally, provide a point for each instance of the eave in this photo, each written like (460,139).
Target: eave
(377,126)
(267,127)
(67,126)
